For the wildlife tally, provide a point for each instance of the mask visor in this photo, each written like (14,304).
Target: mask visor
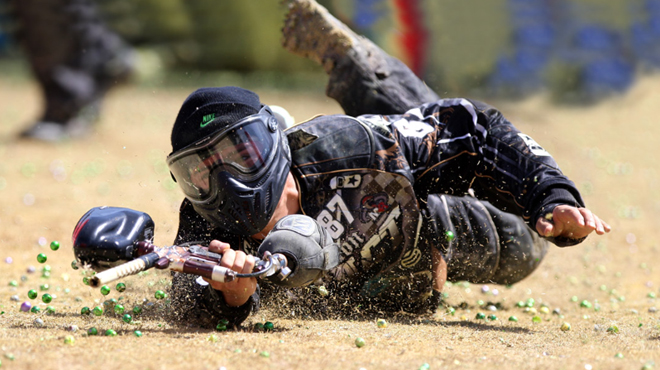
(243,151)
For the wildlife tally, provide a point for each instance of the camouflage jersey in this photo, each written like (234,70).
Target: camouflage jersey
(366,179)
(355,181)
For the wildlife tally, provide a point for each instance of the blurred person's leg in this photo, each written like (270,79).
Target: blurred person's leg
(363,79)
(76,60)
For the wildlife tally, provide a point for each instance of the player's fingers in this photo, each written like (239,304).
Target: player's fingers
(544,227)
(589,218)
(601,226)
(217,246)
(228,258)
(249,264)
(239,262)
(606,227)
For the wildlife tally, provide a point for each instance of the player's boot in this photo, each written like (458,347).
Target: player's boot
(312,32)
(363,78)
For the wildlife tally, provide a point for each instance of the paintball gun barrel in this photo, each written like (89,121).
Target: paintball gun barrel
(116,242)
(195,259)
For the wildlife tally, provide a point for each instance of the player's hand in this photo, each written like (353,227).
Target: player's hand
(238,291)
(571,222)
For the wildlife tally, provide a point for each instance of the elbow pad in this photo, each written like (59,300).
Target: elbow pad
(309,249)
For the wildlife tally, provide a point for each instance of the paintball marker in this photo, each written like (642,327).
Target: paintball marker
(117,242)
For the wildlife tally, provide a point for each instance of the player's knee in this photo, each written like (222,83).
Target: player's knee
(464,233)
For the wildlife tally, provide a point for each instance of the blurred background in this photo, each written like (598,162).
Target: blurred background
(577,50)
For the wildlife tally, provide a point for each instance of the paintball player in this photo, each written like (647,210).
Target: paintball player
(380,206)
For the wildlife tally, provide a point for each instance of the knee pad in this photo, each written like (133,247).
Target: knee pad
(473,251)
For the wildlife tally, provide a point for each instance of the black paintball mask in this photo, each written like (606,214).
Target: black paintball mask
(235,175)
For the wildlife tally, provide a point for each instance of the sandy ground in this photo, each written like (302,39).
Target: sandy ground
(609,150)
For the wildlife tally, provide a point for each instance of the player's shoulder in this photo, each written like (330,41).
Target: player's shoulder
(337,130)
(332,142)
(324,122)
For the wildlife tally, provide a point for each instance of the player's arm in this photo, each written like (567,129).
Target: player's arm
(470,144)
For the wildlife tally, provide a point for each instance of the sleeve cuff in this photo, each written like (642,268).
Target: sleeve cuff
(551,199)
(556,197)
(561,241)
(215,303)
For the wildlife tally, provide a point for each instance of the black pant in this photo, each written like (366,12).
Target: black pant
(73,55)
(489,245)
(480,243)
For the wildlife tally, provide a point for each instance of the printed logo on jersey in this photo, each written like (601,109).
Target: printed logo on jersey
(371,215)
(345,182)
(332,216)
(413,128)
(391,157)
(411,258)
(371,206)
(249,248)
(533,146)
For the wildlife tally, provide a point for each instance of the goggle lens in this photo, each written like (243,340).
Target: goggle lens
(242,151)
